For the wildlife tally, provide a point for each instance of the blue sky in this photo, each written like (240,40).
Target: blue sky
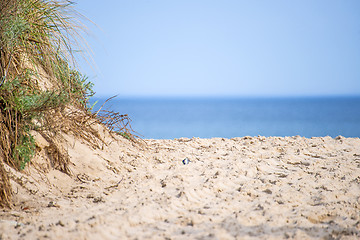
(224,48)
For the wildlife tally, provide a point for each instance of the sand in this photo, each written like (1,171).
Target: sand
(240,188)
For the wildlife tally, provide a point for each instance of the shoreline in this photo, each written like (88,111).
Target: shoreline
(239,188)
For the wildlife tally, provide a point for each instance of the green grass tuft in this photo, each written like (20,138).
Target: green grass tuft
(24,151)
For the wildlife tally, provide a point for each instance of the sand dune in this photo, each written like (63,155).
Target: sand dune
(240,188)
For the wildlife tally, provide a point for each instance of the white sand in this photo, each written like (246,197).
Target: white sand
(241,188)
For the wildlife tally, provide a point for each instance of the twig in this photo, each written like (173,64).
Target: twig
(115,185)
(80,179)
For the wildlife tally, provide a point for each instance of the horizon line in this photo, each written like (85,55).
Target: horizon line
(119,96)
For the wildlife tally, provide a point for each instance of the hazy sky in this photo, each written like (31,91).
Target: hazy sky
(224,47)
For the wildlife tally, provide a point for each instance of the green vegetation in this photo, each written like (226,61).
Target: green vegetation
(40,88)
(39,80)
(36,41)
(24,150)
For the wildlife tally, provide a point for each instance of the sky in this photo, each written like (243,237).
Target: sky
(223,48)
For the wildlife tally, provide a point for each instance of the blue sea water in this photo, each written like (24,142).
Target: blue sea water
(206,118)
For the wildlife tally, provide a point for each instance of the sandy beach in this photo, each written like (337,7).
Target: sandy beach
(74,74)
(240,188)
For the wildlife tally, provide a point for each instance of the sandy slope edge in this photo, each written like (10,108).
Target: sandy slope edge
(244,188)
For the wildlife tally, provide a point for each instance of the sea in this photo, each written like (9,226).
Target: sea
(169,118)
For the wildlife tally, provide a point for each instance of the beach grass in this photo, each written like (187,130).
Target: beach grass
(39,79)
(41,88)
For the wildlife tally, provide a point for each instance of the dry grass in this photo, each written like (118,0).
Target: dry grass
(37,42)
(40,88)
